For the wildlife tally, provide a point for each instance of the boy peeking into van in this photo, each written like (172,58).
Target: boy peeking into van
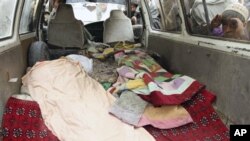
(231,23)
(55,4)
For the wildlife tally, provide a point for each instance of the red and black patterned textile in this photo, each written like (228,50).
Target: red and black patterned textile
(207,125)
(157,98)
(22,121)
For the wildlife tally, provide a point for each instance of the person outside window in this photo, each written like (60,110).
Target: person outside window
(133,13)
(55,4)
(155,14)
(231,23)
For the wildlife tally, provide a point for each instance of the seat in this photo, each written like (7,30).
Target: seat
(64,30)
(117,27)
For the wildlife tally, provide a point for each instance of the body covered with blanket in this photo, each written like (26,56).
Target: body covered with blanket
(76,107)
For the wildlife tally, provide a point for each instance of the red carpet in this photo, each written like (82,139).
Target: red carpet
(22,121)
(207,125)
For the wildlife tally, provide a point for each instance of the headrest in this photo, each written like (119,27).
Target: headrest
(117,14)
(239,8)
(65,13)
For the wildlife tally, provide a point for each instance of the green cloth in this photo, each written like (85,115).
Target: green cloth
(106,85)
(160,79)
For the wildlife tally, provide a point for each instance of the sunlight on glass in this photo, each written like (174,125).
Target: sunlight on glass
(6,17)
(90,12)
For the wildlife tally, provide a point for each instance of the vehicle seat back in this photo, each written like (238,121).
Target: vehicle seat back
(64,30)
(117,27)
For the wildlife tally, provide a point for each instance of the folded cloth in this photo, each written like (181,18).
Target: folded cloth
(207,125)
(131,109)
(165,117)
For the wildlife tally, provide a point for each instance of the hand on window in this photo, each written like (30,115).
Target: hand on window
(216,21)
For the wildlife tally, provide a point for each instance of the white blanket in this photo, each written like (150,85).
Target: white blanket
(74,106)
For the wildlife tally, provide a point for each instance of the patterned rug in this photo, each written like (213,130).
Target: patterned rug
(22,121)
(207,125)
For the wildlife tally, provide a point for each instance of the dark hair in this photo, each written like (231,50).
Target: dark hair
(135,4)
(228,14)
(63,1)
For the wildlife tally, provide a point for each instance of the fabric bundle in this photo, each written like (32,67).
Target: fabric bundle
(74,106)
(148,94)
(169,106)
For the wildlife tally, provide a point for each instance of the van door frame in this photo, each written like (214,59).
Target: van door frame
(221,64)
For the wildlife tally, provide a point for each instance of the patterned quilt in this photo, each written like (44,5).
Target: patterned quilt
(141,74)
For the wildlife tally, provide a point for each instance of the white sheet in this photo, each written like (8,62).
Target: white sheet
(75,106)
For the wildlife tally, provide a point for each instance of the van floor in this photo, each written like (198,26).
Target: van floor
(105,77)
(223,117)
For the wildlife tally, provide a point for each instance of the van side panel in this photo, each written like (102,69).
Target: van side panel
(225,74)
(12,66)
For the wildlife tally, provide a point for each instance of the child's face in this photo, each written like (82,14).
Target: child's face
(56,3)
(133,7)
(233,28)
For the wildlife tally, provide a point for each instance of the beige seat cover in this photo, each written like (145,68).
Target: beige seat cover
(117,27)
(65,31)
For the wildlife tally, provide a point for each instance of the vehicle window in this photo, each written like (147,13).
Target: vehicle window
(155,15)
(7,17)
(135,14)
(218,18)
(122,2)
(171,15)
(27,23)
(166,20)
(90,12)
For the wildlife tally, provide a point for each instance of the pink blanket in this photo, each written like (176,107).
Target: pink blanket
(74,106)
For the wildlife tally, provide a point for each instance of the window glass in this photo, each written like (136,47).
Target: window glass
(166,20)
(171,15)
(218,18)
(90,12)
(27,23)
(155,15)
(123,2)
(7,17)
